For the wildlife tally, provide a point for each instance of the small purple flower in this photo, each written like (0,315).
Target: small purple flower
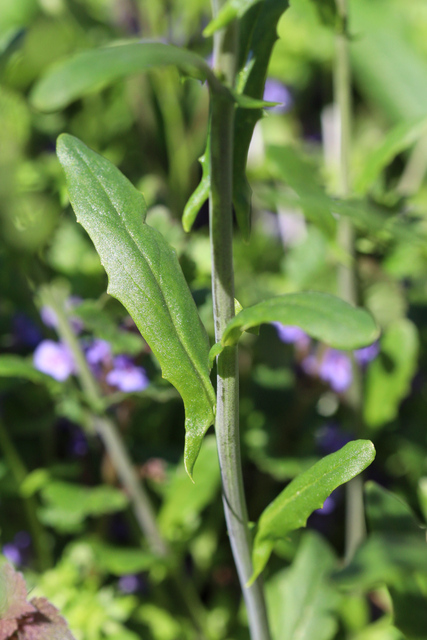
(330,438)
(275,91)
(292,335)
(126,376)
(12,553)
(55,359)
(328,507)
(22,539)
(79,444)
(129,583)
(99,352)
(25,332)
(310,365)
(365,355)
(50,319)
(336,369)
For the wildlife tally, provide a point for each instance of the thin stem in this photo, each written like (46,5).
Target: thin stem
(122,462)
(347,286)
(19,472)
(227,414)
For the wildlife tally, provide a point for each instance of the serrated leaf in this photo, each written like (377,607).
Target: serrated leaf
(389,376)
(306,493)
(300,601)
(45,624)
(13,594)
(91,70)
(322,316)
(145,275)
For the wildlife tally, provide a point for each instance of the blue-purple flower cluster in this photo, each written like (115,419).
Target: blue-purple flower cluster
(330,365)
(56,360)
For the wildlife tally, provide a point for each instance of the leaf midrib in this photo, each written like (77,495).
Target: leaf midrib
(152,273)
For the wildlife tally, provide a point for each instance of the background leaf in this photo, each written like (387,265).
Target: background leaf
(92,70)
(389,376)
(144,274)
(300,600)
(306,493)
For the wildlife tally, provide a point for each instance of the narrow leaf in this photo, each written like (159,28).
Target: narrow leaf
(145,275)
(93,69)
(321,315)
(12,366)
(389,376)
(400,138)
(306,493)
(229,11)
(300,601)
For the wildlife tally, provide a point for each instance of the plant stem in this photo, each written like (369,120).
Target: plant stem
(113,442)
(19,472)
(347,286)
(227,414)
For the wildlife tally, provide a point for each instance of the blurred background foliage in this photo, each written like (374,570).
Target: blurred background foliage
(65,520)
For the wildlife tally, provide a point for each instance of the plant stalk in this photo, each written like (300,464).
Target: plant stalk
(113,442)
(227,413)
(347,285)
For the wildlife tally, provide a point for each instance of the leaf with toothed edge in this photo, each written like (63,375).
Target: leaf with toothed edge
(145,275)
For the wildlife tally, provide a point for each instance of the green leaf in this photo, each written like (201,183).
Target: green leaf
(258,34)
(389,69)
(201,193)
(389,375)
(388,513)
(229,11)
(300,601)
(306,493)
(287,165)
(17,367)
(68,505)
(144,274)
(184,501)
(400,138)
(91,70)
(321,315)
(121,561)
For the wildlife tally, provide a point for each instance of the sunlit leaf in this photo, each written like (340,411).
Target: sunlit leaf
(144,274)
(306,493)
(321,315)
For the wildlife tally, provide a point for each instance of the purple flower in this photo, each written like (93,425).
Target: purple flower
(330,438)
(12,553)
(126,376)
(336,369)
(129,583)
(55,359)
(328,507)
(50,319)
(25,332)
(292,335)
(365,355)
(275,91)
(99,352)
(310,365)
(22,539)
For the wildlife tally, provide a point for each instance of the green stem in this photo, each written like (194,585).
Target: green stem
(19,472)
(227,414)
(347,285)
(113,442)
